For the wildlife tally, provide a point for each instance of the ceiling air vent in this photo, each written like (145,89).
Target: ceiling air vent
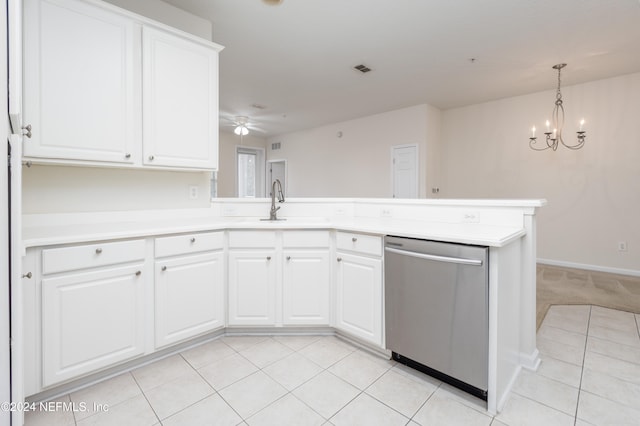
(362,68)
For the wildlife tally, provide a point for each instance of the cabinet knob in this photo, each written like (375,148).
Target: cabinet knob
(98,250)
(354,239)
(288,257)
(138,273)
(193,240)
(127,156)
(27,133)
(339,259)
(27,275)
(268,257)
(164,268)
(151,157)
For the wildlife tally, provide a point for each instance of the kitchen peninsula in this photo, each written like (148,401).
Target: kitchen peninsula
(184,276)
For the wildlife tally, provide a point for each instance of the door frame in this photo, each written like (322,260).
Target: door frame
(267,179)
(417,167)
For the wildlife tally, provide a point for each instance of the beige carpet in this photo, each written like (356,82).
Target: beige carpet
(566,286)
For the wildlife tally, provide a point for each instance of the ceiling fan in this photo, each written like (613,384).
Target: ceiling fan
(242,125)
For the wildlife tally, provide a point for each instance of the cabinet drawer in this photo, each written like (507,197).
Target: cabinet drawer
(252,239)
(192,243)
(305,239)
(91,256)
(359,243)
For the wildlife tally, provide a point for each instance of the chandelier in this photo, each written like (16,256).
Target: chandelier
(554,134)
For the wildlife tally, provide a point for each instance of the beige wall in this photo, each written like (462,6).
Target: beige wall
(593,195)
(358,164)
(60,189)
(227,168)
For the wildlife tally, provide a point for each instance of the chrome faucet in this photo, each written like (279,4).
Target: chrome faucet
(274,209)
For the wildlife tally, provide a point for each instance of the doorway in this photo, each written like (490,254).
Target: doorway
(277,169)
(249,172)
(404,166)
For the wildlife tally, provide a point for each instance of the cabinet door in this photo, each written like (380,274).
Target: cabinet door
(180,101)
(81,82)
(359,297)
(189,297)
(91,320)
(305,287)
(252,279)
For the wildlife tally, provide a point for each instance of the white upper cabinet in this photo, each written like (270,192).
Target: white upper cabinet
(180,101)
(105,87)
(80,87)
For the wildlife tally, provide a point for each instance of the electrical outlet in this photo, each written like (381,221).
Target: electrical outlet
(193,192)
(386,212)
(622,246)
(471,217)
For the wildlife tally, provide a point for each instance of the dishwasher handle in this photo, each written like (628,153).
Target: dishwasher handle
(459,260)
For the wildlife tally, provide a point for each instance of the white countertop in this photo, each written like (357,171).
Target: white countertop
(466,233)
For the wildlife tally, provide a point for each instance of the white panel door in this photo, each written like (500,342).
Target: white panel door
(405,171)
(189,296)
(91,320)
(180,101)
(252,281)
(81,82)
(305,287)
(359,297)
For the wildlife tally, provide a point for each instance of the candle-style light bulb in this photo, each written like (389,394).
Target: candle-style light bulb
(533,132)
(554,133)
(547,126)
(581,124)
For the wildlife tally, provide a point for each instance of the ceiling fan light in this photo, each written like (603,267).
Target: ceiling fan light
(241,130)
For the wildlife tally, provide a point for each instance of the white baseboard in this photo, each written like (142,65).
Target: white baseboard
(507,391)
(530,361)
(598,268)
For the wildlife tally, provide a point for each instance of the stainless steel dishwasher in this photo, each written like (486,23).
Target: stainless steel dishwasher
(437,311)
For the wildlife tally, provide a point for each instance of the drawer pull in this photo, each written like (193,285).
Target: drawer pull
(151,158)
(127,156)
(354,239)
(193,240)
(27,275)
(288,257)
(138,273)
(339,259)
(268,257)
(164,268)
(98,250)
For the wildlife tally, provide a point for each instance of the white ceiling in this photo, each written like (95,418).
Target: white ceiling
(296,58)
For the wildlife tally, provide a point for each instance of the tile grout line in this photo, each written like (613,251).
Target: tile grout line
(584,356)
(145,397)
(215,391)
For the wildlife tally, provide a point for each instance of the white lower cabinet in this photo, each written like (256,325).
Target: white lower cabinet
(189,296)
(252,287)
(359,294)
(305,287)
(279,277)
(93,305)
(91,320)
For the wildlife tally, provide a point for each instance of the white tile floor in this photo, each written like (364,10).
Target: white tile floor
(590,375)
